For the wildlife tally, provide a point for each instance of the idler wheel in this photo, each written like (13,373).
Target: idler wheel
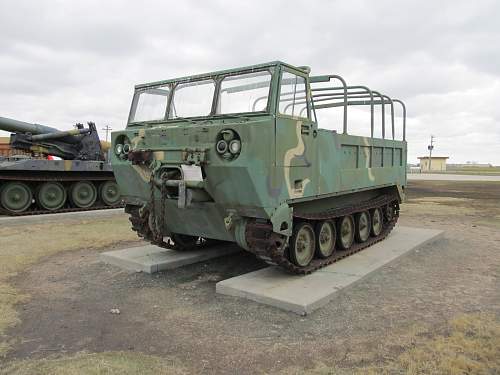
(51,196)
(83,194)
(345,230)
(302,244)
(326,235)
(376,222)
(16,197)
(363,226)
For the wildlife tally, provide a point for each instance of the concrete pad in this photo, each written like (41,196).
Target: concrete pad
(304,294)
(152,258)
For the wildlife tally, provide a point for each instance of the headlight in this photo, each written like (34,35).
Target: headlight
(235,146)
(126,148)
(119,149)
(221,146)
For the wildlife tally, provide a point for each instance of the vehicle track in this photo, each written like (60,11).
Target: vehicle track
(271,247)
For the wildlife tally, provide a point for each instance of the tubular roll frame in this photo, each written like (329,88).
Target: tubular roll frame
(347,97)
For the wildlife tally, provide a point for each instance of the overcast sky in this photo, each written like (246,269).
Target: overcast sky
(63,62)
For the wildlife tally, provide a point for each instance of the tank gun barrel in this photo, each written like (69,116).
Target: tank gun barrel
(79,143)
(16,126)
(58,134)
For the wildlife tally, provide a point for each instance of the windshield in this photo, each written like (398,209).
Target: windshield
(192,99)
(238,93)
(244,93)
(151,104)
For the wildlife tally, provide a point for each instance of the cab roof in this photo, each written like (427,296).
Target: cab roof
(217,73)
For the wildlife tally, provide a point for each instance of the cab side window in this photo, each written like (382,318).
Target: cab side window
(293,98)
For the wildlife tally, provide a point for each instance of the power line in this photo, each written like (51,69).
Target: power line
(430,148)
(107,129)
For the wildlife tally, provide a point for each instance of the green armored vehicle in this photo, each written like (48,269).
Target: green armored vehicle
(238,155)
(81,180)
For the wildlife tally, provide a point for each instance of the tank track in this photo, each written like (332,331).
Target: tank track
(140,225)
(270,247)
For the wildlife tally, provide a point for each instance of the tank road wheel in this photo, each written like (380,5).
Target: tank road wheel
(377,222)
(51,196)
(363,226)
(345,232)
(83,194)
(184,241)
(109,193)
(302,244)
(325,238)
(16,197)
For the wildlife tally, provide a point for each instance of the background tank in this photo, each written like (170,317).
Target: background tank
(240,155)
(32,182)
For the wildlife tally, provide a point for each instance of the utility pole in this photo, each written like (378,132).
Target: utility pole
(430,148)
(107,129)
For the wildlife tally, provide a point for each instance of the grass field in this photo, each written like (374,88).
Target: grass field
(21,249)
(434,311)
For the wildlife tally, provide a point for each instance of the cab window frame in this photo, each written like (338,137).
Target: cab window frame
(278,96)
(272,69)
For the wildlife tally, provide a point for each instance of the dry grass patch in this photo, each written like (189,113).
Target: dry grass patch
(96,363)
(469,344)
(24,245)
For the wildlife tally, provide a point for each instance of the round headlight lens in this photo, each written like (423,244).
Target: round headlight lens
(126,148)
(221,146)
(119,148)
(235,146)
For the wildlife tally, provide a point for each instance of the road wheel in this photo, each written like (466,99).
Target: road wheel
(16,197)
(363,226)
(345,231)
(51,196)
(326,235)
(109,193)
(302,244)
(376,222)
(83,194)
(184,241)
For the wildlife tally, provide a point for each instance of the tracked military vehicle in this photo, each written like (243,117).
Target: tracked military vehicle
(238,155)
(82,180)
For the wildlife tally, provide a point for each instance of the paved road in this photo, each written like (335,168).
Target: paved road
(450,177)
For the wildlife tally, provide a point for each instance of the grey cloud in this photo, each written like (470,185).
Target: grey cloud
(63,62)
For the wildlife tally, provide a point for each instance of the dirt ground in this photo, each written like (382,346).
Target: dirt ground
(409,315)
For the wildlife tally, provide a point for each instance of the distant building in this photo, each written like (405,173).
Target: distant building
(436,164)
(4,146)
(6,150)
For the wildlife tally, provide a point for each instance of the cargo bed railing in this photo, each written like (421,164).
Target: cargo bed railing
(345,95)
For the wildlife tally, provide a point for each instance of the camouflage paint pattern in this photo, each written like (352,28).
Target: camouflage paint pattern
(284,161)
